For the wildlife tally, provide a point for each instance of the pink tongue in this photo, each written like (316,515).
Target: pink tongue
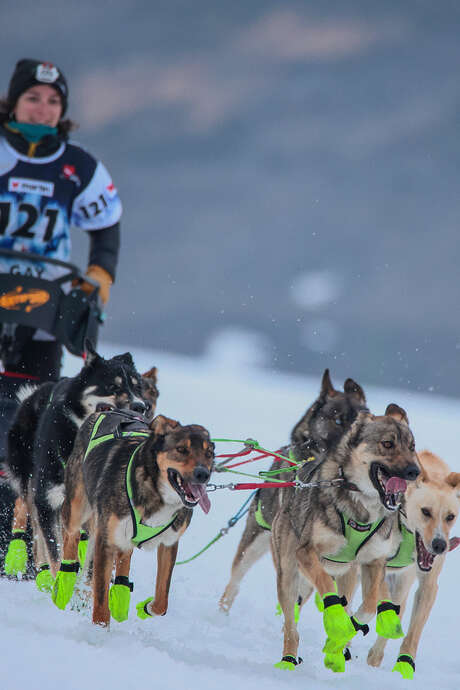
(199,492)
(395,485)
(453,543)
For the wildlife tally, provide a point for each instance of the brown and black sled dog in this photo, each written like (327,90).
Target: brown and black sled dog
(317,432)
(359,487)
(135,485)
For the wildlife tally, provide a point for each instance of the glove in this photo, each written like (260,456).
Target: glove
(102,277)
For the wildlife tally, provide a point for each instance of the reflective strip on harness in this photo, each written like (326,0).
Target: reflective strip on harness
(141,533)
(357,534)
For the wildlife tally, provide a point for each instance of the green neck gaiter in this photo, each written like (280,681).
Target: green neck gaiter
(31,132)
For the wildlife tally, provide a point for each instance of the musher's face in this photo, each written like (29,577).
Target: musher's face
(39,105)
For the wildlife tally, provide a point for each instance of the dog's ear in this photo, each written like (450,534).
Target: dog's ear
(397,413)
(125,358)
(453,479)
(352,388)
(90,353)
(151,374)
(326,385)
(163,425)
(423,476)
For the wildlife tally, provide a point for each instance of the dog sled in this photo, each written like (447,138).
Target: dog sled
(29,303)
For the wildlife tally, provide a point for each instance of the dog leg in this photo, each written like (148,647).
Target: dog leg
(254,543)
(166,556)
(399,592)
(16,556)
(373,587)
(424,599)
(120,591)
(337,623)
(48,522)
(103,564)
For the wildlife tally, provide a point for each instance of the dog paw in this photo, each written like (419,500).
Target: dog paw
(335,662)
(82,548)
(288,663)
(337,623)
(405,666)
(16,557)
(64,583)
(119,599)
(388,624)
(44,581)
(142,609)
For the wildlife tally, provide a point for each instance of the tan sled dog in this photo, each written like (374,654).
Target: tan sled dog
(359,486)
(431,507)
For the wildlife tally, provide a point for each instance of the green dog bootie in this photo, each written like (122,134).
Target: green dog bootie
(337,623)
(16,556)
(388,624)
(288,663)
(279,611)
(141,607)
(405,665)
(119,598)
(335,662)
(82,548)
(65,583)
(44,581)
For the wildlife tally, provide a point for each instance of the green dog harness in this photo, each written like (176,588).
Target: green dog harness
(141,533)
(405,554)
(357,535)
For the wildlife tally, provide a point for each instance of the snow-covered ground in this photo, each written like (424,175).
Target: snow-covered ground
(194,645)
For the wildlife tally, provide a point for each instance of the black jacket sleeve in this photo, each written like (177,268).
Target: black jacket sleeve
(104,248)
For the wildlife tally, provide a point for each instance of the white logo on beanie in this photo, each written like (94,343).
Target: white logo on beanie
(47,73)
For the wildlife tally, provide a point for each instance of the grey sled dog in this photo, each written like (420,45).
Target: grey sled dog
(374,460)
(317,432)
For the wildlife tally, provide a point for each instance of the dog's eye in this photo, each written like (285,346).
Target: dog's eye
(338,420)
(426,512)
(388,444)
(412,446)
(450,517)
(182,450)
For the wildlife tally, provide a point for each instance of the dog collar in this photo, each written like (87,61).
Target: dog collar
(349,486)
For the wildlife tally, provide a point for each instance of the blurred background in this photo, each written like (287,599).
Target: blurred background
(290,175)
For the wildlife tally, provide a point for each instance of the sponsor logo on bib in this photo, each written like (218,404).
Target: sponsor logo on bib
(26,186)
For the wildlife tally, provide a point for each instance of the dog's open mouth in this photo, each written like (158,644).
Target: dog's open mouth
(391,488)
(424,557)
(104,407)
(190,494)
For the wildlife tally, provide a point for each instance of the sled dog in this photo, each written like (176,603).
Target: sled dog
(359,487)
(319,430)
(42,435)
(136,487)
(429,511)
